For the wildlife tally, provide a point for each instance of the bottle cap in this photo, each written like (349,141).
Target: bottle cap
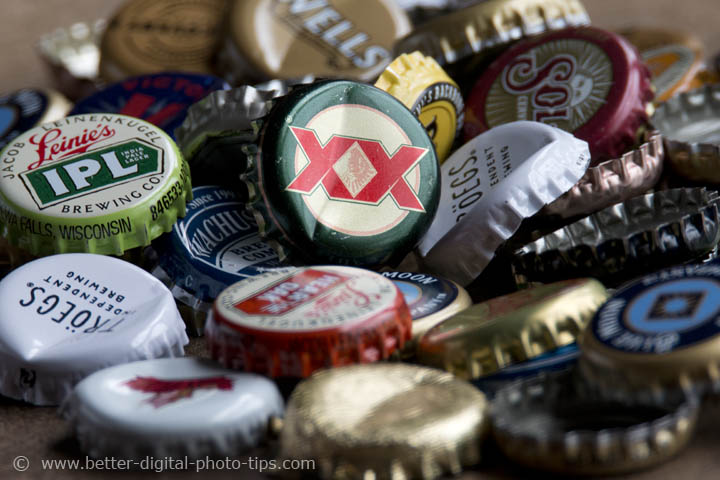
(333,38)
(549,423)
(161,99)
(490,185)
(294,321)
(169,407)
(80,313)
(674,58)
(385,421)
(690,124)
(626,240)
(481,26)
(507,330)
(353,177)
(216,245)
(424,87)
(613,181)
(24,109)
(163,35)
(430,299)
(587,81)
(97,183)
(658,335)
(73,56)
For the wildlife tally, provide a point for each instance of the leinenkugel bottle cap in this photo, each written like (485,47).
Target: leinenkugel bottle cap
(430,299)
(587,81)
(507,330)
(169,408)
(625,240)
(385,421)
(98,183)
(424,87)
(163,35)
(64,317)
(484,25)
(658,335)
(675,58)
(161,99)
(292,322)
(342,172)
(490,185)
(27,108)
(332,38)
(550,422)
(216,245)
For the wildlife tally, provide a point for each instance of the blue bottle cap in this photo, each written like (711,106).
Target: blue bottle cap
(161,99)
(216,245)
(24,109)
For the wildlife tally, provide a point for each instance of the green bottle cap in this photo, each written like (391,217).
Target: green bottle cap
(100,183)
(342,172)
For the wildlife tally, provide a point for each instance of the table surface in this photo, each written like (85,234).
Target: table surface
(38,433)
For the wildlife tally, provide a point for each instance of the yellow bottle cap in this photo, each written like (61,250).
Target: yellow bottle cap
(424,87)
(513,328)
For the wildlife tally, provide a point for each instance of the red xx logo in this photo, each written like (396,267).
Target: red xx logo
(357,170)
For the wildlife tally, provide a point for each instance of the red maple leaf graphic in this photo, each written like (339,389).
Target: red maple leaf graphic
(169,391)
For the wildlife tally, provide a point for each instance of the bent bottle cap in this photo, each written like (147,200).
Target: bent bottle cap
(385,420)
(169,407)
(161,99)
(587,81)
(163,35)
(342,172)
(216,245)
(27,108)
(331,38)
(98,183)
(64,317)
(490,185)
(424,87)
(292,322)
(507,330)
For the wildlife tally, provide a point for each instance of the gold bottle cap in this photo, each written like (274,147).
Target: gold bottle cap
(550,423)
(384,421)
(453,37)
(424,87)
(510,329)
(334,38)
(658,336)
(674,58)
(162,35)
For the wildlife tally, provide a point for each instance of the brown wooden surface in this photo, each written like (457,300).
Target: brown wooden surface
(38,433)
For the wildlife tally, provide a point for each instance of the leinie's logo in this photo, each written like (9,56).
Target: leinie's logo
(53,145)
(357,170)
(94,171)
(170,391)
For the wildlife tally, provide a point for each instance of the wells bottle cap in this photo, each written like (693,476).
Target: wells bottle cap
(215,245)
(587,81)
(169,407)
(80,313)
(27,108)
(658,335)
(510,329)
(161,99)
(385,421)
(292,322)
(342,172)
(98,183)
(163,35)
(332,38)
(424,87)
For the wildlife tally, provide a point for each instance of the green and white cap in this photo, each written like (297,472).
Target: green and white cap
(100,183)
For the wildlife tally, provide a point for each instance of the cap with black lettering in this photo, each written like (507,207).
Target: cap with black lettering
(27,108)
(80,313)
(97,183)
(167,407)
(291,322)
